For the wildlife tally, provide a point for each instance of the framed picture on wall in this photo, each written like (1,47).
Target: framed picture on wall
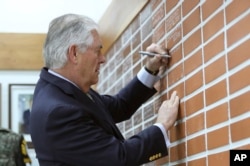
(20,101)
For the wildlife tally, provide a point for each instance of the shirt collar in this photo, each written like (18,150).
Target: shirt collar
(62,77)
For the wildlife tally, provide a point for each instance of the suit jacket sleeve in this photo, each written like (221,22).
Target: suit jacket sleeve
(123,105)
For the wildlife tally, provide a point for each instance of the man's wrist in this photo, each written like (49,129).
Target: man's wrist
(146,78)
(151,72)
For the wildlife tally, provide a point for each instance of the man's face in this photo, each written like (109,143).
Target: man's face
(88,66)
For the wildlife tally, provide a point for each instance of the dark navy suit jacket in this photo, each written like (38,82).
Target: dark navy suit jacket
(69,128)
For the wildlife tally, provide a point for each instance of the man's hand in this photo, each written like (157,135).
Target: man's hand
(154,64)
(168,111)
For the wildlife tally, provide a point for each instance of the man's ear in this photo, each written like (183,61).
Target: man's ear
(72,54)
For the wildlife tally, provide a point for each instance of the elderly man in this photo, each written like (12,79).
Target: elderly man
(71,124)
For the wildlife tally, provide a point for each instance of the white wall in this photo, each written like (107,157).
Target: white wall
(14,77)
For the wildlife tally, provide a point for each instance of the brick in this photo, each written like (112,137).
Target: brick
(158,16)
(126,65)
(119,70)
(238,30)
(216,92)
(239,80)
(179,89)
(157,104)
(147,43)
(170,5)
(127,77)
(137,117)
(217,115)
(148,111)
(145,13)
(159,33)
(136,40)
(118,44)
(119,58)
(221,159)
(200,161)
(174,37)
(135,25)
(121,126)
(177,132)
(191,21)
(187,6)
(237,109)
(149,123)
(218,138)
(194,82)
(176,55)
(235,8)
(161,161)
(194,104)
(181,112)
(138,129)
(173,19)
(177,152)
(146,29)
(154,4)
(196,145)
(136,56)
(136,69)
(213,26)
(193,62)
(215,69)
(175,75)
(238,55)
(247,146)
(209,7)
(128,124)
(214,47)
(192,42)
(126,50)
(126,36)
(240,130)
(195,124)
(118,86)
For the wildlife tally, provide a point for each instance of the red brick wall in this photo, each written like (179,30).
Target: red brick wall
(210,68)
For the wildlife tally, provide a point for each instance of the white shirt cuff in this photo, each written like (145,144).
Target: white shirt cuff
(164,133)
(146,78)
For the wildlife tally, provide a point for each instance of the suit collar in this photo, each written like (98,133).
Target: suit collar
(62,77)
(61,83)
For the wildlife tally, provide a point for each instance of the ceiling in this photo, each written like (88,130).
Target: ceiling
(33,16)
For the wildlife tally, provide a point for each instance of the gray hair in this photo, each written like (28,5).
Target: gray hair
(65,31)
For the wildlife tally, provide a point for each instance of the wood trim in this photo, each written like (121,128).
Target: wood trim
(117,17)
(19,51)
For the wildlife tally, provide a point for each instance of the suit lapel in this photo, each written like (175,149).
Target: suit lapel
(96,107)
(107,119)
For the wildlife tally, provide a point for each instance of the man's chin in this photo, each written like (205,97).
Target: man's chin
(94,82)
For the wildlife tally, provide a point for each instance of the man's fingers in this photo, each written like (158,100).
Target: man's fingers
(176,100)
(172,98)
(156,48)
